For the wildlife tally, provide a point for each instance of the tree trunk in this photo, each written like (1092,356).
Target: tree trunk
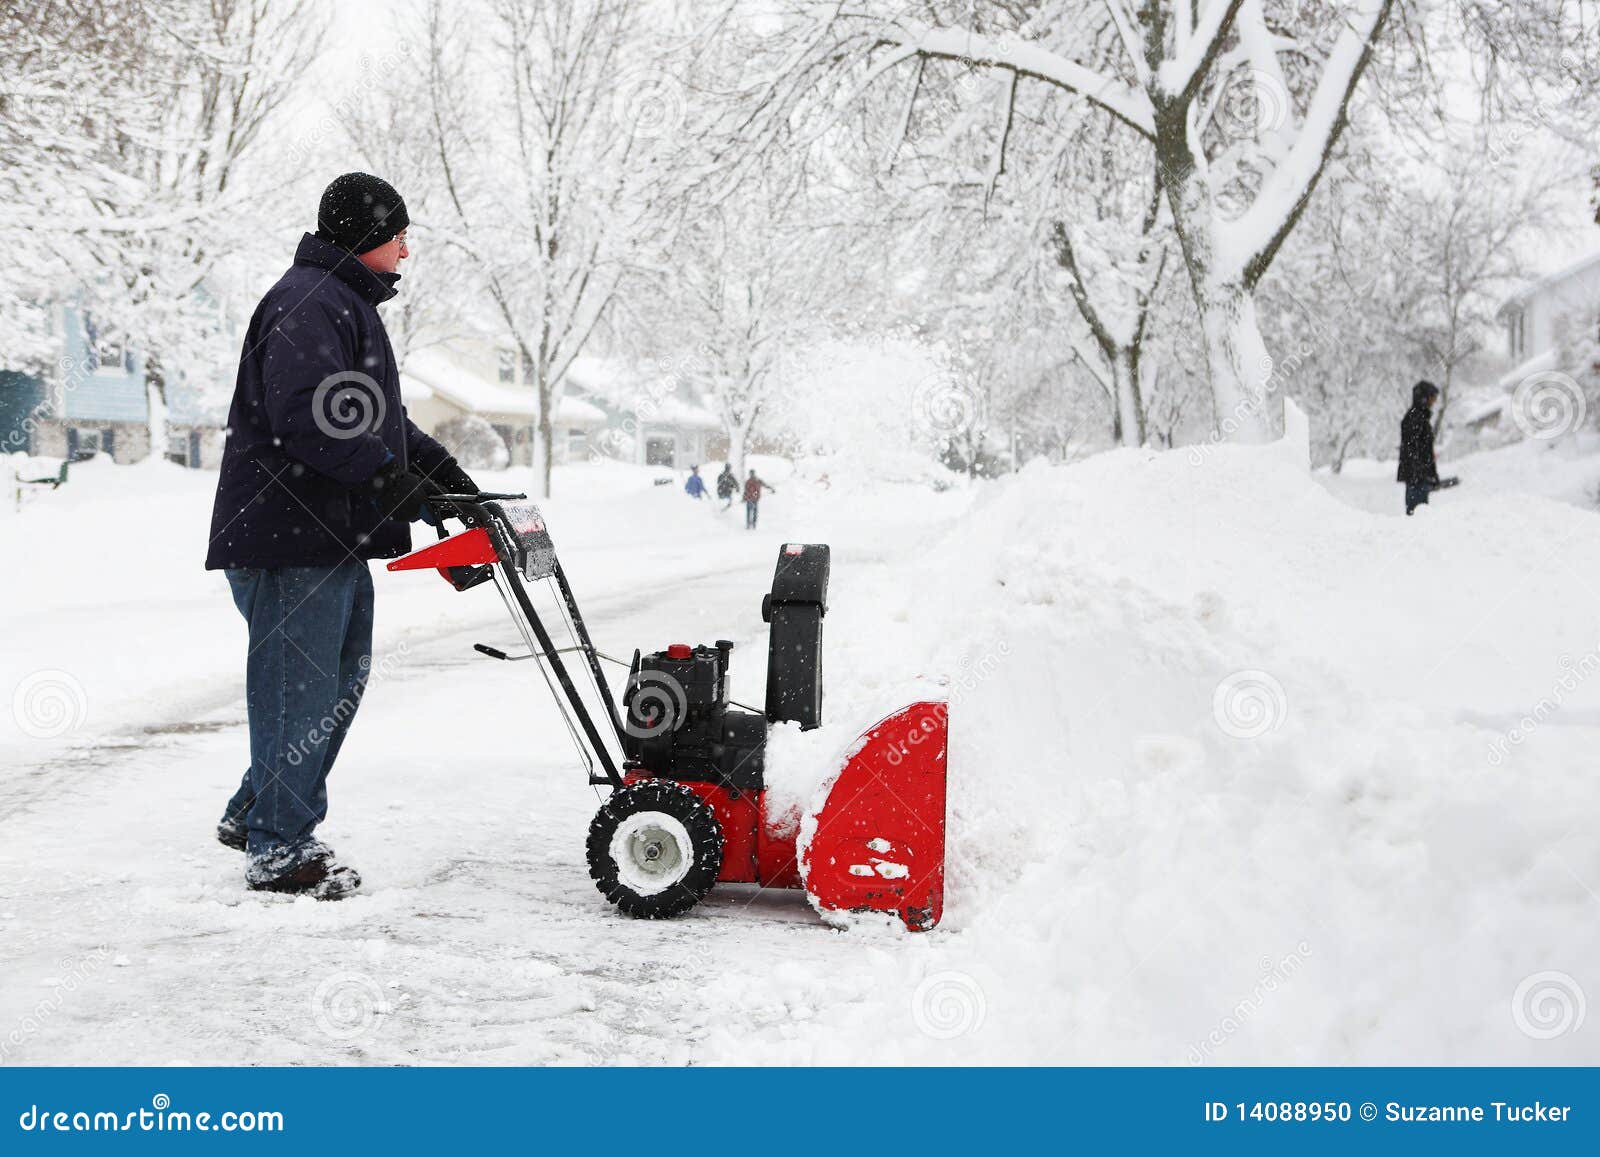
(542,439)
(1236,357)
(1130,426)
(1237,361)
(736,444)
(156,400)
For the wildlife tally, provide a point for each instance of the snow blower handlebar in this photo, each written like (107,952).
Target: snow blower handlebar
(507,532)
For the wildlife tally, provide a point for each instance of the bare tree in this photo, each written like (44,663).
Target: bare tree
(550,138)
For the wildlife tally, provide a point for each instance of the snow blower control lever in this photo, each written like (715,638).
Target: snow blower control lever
(687,766)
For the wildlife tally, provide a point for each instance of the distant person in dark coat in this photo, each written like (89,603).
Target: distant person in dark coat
(695,487)
(1418,469)
(753,487)
(727,485)
(322,472)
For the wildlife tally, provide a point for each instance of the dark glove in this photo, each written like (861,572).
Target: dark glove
(401,493)
(455,480)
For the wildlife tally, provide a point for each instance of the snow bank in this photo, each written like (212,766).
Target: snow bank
(1238,772)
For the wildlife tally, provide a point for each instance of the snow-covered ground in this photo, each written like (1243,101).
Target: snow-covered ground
(1240,770)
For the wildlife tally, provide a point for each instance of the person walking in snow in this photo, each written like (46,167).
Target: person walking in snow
(695,487)
(753,487)
(322,471)
(727,485)
(1418,469)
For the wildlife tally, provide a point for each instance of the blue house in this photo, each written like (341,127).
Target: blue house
(95,400)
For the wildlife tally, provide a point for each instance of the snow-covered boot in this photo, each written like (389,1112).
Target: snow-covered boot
(231,833)
(307,868)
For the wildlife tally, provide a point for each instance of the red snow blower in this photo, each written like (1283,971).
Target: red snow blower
(686,765)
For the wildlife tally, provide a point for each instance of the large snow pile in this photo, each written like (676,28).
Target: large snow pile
(1242,773)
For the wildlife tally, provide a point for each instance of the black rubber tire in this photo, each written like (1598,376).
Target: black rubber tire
(705,837)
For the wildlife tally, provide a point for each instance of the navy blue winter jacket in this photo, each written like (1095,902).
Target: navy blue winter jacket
(316,411)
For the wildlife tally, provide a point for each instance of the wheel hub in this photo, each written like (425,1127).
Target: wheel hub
(652,852)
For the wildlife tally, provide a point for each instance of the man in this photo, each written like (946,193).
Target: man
(321,472)
(1418,469)
(727,485)
(695,487)
(753,487)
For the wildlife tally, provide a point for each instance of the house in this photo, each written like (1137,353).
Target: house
(96,402)
(1539,319)
(94,398)
(443,385)
(652,420)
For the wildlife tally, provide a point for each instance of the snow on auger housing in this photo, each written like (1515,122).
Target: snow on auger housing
(686,765)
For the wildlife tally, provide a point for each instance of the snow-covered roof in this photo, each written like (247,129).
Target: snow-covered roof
(648,394)
(1537,364)
(434,371)
(1482,409)
(674,411)
(1533,288)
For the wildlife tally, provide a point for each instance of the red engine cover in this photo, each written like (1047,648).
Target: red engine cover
(739,819)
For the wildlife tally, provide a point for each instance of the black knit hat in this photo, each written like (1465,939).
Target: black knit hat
(359,212)
(1423,391)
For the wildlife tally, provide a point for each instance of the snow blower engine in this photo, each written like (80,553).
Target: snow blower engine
(686,764)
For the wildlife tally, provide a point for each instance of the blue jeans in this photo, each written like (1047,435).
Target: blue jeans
(750,511)
(310,650)
(1417,495)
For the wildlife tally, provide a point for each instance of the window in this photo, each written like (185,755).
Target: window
(83,444)
(1517,335)
(106,354)
(508,366)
